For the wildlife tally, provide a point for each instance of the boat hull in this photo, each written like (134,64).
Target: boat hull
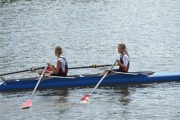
(89,80)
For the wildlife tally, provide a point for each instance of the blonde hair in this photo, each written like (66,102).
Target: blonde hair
(58,49)
(124,47)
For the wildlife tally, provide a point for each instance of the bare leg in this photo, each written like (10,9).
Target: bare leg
(103,73)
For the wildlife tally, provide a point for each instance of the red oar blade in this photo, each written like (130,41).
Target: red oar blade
(86,97)
(27,104)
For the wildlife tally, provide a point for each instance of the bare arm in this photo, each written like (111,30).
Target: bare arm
(125,65)
(120,64)
(56,70)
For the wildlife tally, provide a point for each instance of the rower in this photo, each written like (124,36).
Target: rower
(62,65)
(124,60)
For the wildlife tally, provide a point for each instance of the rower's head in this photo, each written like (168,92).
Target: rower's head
(122,48)
(58,51)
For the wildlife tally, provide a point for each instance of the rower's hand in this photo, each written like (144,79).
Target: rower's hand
(117,61)
(49,64)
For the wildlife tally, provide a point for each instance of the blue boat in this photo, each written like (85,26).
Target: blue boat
(89,80)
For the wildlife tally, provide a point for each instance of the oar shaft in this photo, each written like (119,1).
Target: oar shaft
(99,83)
(30,69)
(91,66)
(38,82)
(102,78)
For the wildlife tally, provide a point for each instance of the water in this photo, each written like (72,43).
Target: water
(89,31)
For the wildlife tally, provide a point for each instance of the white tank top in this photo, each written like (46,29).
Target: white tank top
(63,63)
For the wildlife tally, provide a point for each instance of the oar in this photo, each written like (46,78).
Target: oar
(88,95)
(91,66)
(28,103)
(30,69)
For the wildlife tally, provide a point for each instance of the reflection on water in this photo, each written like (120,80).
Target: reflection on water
(124,96)
(122,92)
(52,92)
(118,101)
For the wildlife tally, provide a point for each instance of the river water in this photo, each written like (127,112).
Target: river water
(89,32)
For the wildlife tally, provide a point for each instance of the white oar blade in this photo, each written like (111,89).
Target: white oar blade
(27,104)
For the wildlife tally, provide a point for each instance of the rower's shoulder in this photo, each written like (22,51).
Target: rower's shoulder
(126,56)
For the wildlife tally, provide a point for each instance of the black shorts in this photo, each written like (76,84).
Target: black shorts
(62,74)
(117,70)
